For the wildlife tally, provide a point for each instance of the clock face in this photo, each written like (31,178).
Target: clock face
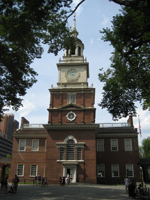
(71,116)
(72,74)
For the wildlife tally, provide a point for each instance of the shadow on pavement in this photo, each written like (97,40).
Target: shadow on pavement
(56,192)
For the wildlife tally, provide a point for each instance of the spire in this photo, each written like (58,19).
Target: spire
(74,23)
(75,32)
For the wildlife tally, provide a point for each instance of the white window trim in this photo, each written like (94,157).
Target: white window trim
(98,170)
(36,170)
(132,170)
(60,153)
(112,171)
(22,170)
(24,145)
(116,146)
(38,144)
(68,97)
(98,149)
(130,144)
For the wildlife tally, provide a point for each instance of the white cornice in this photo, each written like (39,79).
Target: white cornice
(116,135)
(30,135)
(70,126)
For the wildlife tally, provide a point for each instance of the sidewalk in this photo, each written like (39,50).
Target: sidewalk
(73,192)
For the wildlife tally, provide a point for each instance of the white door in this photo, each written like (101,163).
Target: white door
(73,174)
(72,170)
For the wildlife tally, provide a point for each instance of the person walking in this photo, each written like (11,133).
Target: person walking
(2,185)
(45,183)
(126,180)
(35,180)
(15,182)
(39,179)
(68,179)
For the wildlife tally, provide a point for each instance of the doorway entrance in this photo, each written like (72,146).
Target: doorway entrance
(71,170)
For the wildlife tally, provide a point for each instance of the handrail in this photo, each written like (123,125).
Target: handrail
(32,126)
(106,125)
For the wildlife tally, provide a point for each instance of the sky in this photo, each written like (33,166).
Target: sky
(91,17)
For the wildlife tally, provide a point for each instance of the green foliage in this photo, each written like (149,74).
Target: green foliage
(141,152)
(24,26)
(146,148)
(128,78)
(8,156)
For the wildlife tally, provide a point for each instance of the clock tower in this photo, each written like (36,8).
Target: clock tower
(71,128)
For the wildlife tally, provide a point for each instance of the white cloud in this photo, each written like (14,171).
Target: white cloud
(91,42)
(105,20)
(27,108)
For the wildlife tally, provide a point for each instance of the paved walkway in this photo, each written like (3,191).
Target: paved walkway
(73,192)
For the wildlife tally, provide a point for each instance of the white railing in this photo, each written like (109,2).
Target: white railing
(32,126)
(65,86)
(106,125)
(101,125)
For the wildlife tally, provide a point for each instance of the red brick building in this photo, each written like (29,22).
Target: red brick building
(71,142)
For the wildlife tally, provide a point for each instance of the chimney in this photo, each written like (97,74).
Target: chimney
(130,121)
(24,121)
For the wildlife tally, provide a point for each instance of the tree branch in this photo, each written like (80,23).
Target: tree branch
(122,3)
(74,9)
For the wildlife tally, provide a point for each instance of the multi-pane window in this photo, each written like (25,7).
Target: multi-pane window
(114,145)
(115,170)
(100,145)
(70,149)
(33,171)
(128,144)
(79,153)
(101,170)
(20,170)
(71,98)
(45,144)
(35,145)
(22,145)
(129,170)
(61,153)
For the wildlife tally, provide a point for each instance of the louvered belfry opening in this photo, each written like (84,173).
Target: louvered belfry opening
(70,150)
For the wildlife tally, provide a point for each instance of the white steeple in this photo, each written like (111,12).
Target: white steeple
(74,30)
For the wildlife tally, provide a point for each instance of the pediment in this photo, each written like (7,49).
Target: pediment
(70,106)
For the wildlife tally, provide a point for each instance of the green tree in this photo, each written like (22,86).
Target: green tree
(144,149)
(8,156)
(128,79)
(141,152)
(24,26)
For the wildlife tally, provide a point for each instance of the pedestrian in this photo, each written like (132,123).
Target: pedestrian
(35,180)
(2,185)
(15,182)
(63,180)
(39,179)
(68,179)
(5,186)
(45,182)
(126,180)
(60,180)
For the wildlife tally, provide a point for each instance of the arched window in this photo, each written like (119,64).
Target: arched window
(70,150)
(61,153)
(79,51)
